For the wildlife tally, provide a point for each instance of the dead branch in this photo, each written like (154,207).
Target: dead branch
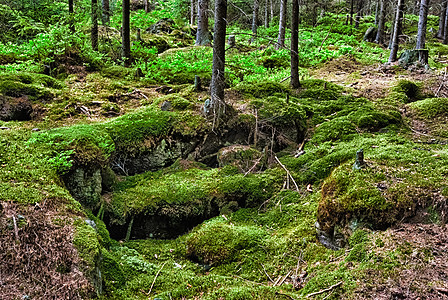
(155,278)
(16,230)
(325,290)
(288,174)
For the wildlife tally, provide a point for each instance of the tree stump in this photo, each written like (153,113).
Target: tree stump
(197,83)
(408,57)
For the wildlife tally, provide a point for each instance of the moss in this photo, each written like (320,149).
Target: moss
(86,241)
(320,90)
(217,241)
(371,119)
(116,72)
(157,42)
(337,129)
(409,88)
(176,102)
(262,89)
(89,143)
(431,108)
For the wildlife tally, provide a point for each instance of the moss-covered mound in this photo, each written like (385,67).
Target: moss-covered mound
(37,86)
(169,202)
(431,108)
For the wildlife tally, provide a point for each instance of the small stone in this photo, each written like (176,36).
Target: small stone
(166,105)
(4,128)
(35,129)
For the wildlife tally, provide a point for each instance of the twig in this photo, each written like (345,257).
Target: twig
(285,79)
(253,282)
(284,278)
(288,174)
(325,290)
(154,281)
(16,230)
(441,84)
(256,163)
(267,273)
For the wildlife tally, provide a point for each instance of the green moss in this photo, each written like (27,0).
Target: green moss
(262,89)
(337,129)
(320,90)
(116,72)
(86,241)
(409,88)
(371,119)
(90,143)
(431,107)
(217,241)
(157,42)
(177,102)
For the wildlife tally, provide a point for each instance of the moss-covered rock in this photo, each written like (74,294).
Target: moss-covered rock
(411,89)
(240,156)
(85,186)
(431,108)
(337,129)
(262,89)
(217,241)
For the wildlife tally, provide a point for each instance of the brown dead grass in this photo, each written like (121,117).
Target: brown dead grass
(37,256)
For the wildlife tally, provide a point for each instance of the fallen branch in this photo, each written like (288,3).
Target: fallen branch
(288,174)
(16,230)
(155,278)
(267,273)
(441,83)
(256,163)
(325,290)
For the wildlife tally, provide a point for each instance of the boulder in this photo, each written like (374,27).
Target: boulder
(164,25)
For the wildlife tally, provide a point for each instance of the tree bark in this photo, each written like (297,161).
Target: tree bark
(126,33)
(381,21)
(147,7)
(266,14)
(106,12)
(359,12)
(352,5)
(441,32)
(203,35)
(295,83)
(282,24)
(422,21)
(192,12)
(255,20)
(71,16)
(94,29)
(394,50)
(219,58)
(445,35)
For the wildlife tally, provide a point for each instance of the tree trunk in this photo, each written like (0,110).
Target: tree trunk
(394,50)
(359,12)
(295,83)
(147,8)
(352,5)
(272,9)
(71,16)
(94,31)
(381,21)
(203,35)
(126,34)
(282,24)
(255,20)
(266,14)
(422,21)
(219,58)
(445,35)
(441,32)
(377,12)
(106,12)
(192,12)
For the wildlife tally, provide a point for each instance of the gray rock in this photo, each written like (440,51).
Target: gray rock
(85,186)
(15,109)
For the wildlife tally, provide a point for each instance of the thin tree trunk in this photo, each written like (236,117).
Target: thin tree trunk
(272,9)
(282,24)
(147,8)
(359,12)
(255,20)
(106,12)
(441,32)
(422,21)
(295,83)
(394,51)
(445,36)
(381,21)
(377,12)
(126,33)
(219,58)
(192,12)
(94,31)
(71,16)
(203,35)
(266,14)
(352,5)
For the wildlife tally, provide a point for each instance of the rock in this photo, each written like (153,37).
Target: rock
(359,163)
(15,109)
(85,186)
(164,25)
(4,128)
(370,34)
(35,129)
(166,106)
(240,156)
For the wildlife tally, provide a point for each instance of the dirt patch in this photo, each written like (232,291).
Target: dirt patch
(423,273)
